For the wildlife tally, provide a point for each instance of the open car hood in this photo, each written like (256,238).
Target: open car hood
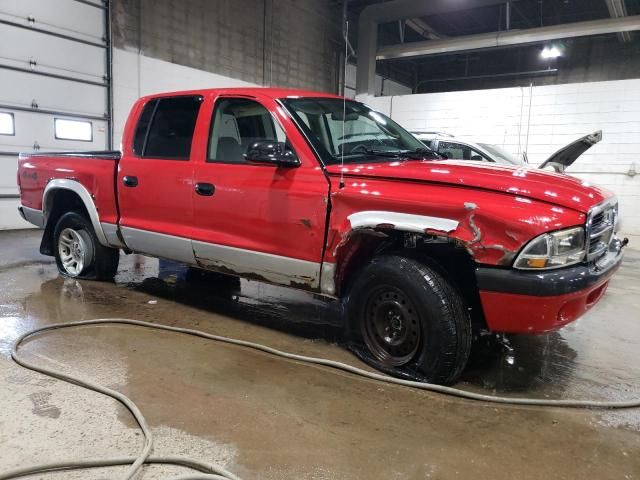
(568,154)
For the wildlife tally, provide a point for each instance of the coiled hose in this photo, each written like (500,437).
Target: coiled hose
(213,472)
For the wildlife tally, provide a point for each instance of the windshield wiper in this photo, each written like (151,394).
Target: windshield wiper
(421,153)
(372,152)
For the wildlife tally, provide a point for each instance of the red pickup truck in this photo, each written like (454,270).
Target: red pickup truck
(310,191)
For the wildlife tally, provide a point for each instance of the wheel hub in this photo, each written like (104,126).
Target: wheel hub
(73,251)
(391,327)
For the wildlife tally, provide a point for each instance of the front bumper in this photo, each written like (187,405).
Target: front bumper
(519,301)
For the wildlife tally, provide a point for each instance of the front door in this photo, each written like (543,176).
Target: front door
(155,179)
(262,220)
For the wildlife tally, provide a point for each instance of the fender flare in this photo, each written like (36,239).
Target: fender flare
(406,222)
(84,195)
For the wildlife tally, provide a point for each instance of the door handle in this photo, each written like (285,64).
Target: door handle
(130,181)
(205,189)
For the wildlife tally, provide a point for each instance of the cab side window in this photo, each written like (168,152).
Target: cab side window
(165,128)
(237,124)
(451,150)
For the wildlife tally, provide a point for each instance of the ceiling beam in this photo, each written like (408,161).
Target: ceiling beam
(423,28)
(617,9)
(511,38)
(387,12)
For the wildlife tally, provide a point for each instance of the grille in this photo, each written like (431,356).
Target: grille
(600,228)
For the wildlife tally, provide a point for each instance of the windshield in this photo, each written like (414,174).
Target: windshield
(500,155)
(353,129)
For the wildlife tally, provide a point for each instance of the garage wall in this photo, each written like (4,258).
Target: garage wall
(292,43)
(559,114)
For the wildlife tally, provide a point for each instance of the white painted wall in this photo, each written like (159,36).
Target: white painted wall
(559,115)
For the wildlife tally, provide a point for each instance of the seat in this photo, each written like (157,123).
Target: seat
(229,150)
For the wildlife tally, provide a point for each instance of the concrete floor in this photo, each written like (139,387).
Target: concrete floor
(268,418)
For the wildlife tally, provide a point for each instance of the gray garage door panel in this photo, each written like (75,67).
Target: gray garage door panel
(20,47)
(66,17)
(21,89)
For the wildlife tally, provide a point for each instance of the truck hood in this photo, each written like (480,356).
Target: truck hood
(555,188)
(568,154)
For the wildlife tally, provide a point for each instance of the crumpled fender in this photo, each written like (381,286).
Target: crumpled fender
(491,226)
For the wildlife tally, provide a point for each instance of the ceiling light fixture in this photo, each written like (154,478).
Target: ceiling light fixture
(550,51)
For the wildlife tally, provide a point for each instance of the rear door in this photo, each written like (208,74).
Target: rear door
(155,179)
(262,220)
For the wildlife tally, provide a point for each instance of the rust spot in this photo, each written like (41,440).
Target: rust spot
(306,222)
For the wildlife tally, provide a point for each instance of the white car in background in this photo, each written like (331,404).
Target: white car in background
(456,149)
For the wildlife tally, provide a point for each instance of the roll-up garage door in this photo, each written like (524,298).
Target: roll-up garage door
(55,88)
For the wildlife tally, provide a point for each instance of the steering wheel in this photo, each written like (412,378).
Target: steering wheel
(360,146)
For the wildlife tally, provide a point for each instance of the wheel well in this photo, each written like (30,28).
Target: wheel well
(60,201)
(445,255)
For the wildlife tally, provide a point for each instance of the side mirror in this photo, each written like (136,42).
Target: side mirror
(476,157)
(272,153)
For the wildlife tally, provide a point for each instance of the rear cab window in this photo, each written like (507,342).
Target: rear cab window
(165,127)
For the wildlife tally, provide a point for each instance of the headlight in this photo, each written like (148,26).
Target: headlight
(553,250)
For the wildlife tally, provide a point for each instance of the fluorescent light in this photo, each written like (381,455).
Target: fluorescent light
(73,130)
(7,126)
(551,51)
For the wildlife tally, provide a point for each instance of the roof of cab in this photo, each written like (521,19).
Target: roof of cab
(271,92)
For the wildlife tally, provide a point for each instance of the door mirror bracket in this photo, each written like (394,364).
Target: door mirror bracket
(272,153)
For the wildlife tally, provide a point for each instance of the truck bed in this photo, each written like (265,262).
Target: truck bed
(95,170)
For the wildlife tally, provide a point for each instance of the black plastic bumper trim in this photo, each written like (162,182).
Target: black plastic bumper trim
(549,283)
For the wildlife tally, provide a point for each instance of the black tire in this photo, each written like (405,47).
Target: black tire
(406,319)
(79,242)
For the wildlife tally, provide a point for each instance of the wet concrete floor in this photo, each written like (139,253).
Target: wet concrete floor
(268,418)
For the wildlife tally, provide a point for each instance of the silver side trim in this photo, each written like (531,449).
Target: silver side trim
(32,215)
(401,221)
(328,278)
(111,232)
(264,266)
(85,196)
(159,244)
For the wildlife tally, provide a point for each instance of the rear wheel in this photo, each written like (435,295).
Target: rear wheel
(78,252)
(409,321)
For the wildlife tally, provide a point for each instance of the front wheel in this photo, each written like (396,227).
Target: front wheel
(409,321)
(78,252)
